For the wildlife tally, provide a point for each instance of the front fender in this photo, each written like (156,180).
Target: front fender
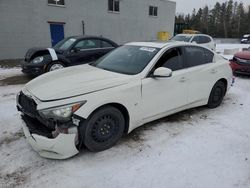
(129,96)
(63,59)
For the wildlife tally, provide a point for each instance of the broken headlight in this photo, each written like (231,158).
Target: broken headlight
(61,112)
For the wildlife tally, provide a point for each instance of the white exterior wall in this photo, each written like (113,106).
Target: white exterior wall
(24,23)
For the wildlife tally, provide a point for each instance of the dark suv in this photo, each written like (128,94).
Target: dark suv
(68,52)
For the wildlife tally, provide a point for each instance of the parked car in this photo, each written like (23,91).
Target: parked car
(95,104)
(68,52)
(201,39)
(245,39)
(241,63)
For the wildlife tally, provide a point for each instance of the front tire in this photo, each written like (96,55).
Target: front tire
(217,94)
(104,128)
(55,66)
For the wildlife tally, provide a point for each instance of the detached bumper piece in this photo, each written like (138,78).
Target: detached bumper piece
(42,141)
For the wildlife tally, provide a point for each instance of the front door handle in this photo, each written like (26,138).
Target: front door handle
(183,79)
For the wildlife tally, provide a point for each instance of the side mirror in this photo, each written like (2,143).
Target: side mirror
(75,49)
(194,42)
(162,72)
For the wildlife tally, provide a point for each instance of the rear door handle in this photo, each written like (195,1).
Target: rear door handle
(182,79)
(213,71)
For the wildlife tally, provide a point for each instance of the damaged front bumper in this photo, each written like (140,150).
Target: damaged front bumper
(61,147)
(51,138)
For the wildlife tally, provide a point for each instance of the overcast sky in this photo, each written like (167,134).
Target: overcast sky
(187,6)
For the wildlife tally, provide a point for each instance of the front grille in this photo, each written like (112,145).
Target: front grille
(28,104)
(36,127)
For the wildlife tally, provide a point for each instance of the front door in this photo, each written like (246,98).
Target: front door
(56,32)
(84,51)
(163,95)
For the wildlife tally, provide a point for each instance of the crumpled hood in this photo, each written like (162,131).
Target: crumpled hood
(74,81)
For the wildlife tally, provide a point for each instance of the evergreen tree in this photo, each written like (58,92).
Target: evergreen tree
(228,19)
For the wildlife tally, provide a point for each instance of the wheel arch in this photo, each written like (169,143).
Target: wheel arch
(59,61)
(40,53)
(122,109)
(225,82)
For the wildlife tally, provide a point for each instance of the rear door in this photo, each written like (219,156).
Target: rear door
(84,51)
(202,72)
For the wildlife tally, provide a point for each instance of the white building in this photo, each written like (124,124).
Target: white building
(29,23)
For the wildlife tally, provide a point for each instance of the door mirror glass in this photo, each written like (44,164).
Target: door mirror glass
(162,72)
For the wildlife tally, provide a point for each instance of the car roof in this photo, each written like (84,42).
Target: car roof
(87,36)
(93,37)
(183,34)
(156,44)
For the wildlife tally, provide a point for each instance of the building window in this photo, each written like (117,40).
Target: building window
(114,5)
(56,2)
(153,11)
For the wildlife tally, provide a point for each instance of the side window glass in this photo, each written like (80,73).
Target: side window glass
(204,39)
(209,56)
(171,59)
(106,44)
(88,44)
(196,39)
(195,56)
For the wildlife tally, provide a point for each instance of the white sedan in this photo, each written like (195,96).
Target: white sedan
(96,104)
(200,39)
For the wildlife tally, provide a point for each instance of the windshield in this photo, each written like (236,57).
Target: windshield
(184,38)
(64,44)
(127,59)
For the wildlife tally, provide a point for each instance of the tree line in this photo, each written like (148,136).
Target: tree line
(230,19)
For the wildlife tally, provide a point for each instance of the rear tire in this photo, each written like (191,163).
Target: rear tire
(217,94)
(104,128)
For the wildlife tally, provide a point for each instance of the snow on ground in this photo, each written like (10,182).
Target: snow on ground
(4,73)
(197,148)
